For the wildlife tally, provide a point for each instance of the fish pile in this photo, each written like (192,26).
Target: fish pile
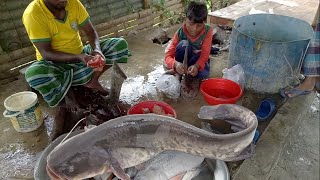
(156,110)
(166,165)
(87,102)
(189,87)
(131,140)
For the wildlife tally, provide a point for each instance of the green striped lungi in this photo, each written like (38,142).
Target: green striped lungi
(53,80)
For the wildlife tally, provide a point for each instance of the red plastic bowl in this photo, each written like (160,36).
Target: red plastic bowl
(220,91)
(137,108)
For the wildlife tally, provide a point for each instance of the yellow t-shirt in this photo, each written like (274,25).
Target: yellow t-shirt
(42,26)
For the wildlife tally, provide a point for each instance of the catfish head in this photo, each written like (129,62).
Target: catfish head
(65,163)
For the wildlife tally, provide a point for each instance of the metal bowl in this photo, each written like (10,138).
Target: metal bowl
(212,169)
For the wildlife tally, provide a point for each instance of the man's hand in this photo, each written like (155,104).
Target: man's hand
(193,70)
(179,67)
(93,38)
(97,63)
(98,52)
(85,58)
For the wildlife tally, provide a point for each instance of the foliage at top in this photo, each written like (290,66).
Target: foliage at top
(173,17)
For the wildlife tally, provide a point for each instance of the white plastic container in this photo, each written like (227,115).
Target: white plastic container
(23,110)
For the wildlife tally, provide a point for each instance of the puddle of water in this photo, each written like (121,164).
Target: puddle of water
(18,161)
(19,151)
(315,106)
(48,121)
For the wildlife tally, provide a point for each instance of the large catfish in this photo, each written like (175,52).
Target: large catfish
(130,140)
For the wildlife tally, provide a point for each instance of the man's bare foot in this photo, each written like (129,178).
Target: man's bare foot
(307,85)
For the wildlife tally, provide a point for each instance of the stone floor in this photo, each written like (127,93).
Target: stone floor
(289,148)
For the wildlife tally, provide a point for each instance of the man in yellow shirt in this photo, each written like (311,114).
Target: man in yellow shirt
(53,28)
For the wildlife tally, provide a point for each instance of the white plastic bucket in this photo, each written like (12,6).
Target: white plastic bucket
(23,110)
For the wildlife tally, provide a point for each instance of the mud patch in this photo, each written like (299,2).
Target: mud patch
(160,37)
(161,41)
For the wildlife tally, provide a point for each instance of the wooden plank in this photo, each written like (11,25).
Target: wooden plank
(13,14)
(126,25)
(91,5)
(268,5)
(137,7)
(148,22)
(17,62)
(305,10)
(16,4)
(1,51)
(9,80)
(240,9)
(120,23)
(8,74)
(221,21)
(227,11)
(25,41)
(139,24)
(245,10)
(106,17)
(6,25)
(17,54)
(104,26)
(315,20)
(22,31)
(265,6)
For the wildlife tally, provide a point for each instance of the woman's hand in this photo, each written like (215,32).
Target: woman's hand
(193,70)
(179,67)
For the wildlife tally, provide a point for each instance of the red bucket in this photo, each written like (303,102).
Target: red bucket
(220,91)
(137,108)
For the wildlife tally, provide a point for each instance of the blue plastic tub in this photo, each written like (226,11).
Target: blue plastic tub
(261,43)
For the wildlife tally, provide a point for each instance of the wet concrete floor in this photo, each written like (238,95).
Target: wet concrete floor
(19,151)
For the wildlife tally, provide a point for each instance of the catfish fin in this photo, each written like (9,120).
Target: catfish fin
(118,171)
